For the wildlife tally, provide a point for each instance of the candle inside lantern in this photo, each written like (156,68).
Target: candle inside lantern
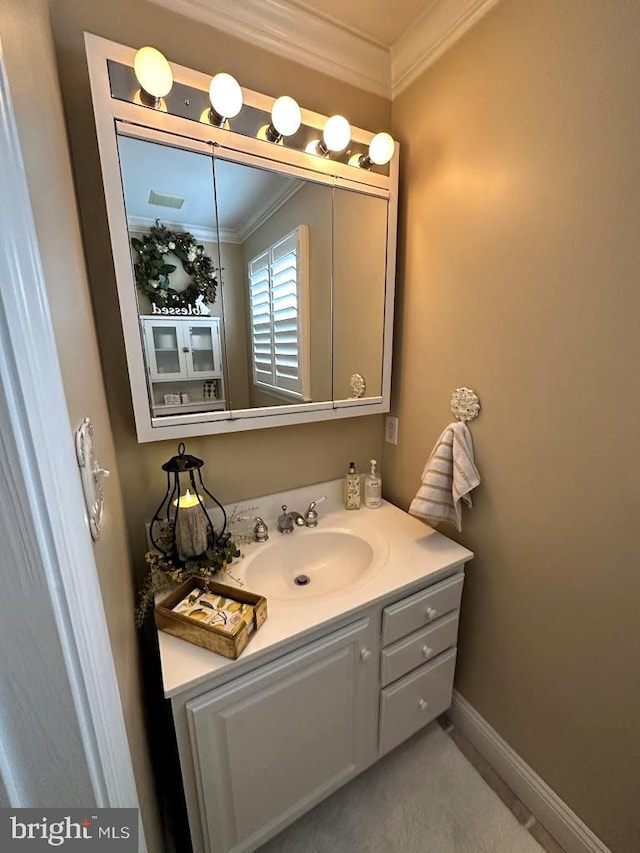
(191,528)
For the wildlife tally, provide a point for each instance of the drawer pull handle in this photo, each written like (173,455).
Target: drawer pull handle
(365,654)
(426,651)
(423,704)
(431,613)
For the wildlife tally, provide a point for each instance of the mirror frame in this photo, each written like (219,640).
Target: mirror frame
(115,117)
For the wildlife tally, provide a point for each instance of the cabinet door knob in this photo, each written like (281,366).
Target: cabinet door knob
(431,613)
(423,704)
(185,349)
(426,651)
(365,654)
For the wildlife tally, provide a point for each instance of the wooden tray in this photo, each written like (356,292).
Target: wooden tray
(230,644)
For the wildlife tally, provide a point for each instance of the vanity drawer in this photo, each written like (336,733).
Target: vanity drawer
(417,648)
(420,609)
(415,700)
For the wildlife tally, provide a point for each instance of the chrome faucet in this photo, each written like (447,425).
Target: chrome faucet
(287,520)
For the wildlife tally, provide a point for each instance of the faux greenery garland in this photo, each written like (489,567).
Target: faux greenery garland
(165,573)
(152,272)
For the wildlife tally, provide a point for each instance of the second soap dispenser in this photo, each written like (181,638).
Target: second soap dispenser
(372,487)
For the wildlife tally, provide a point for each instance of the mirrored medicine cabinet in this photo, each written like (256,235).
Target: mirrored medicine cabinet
(255,280)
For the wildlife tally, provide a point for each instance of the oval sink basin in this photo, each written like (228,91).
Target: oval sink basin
(311,563)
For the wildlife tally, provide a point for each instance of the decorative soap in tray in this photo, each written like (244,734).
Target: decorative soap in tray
(215,610)
(212,615)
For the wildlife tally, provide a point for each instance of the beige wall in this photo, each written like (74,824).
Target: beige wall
(310,206)
(520,256)
(37,104)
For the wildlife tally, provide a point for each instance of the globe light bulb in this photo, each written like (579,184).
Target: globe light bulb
(225,95)
(153,73)
(286,116)
(336,134)
(381,148)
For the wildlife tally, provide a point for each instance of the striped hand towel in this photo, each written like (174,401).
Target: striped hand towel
(448,477)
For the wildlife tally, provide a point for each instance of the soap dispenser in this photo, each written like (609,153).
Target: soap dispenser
(372,487)
(352,488)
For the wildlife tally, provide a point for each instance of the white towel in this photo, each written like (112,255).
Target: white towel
(448,477)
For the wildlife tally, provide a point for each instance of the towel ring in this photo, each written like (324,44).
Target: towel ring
(465,404)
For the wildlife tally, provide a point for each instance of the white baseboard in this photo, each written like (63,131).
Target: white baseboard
(543,803)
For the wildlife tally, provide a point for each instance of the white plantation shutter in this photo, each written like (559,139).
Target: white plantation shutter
(261,333)
(278,292)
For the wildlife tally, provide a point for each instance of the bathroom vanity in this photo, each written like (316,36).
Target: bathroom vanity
(344,669)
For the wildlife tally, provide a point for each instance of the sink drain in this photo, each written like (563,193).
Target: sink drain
(302,580)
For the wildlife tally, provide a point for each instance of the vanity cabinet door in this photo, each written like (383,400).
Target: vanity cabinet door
(272,744)
(165,349)
(204,358)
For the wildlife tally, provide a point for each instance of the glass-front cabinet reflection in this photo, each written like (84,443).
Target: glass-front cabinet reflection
(184,363)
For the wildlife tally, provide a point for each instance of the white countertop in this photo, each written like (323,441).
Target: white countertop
(415,553)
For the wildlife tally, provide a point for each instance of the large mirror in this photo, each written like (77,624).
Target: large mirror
(254,288)
(255,283)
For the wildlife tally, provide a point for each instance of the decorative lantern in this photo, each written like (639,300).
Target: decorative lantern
(181,528)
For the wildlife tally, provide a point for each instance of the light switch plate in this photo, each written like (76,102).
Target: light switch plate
(391,429)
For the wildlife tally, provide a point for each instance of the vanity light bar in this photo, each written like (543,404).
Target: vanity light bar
(153,73)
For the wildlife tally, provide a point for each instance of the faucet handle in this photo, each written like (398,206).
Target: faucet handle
(260,531)
(311,515)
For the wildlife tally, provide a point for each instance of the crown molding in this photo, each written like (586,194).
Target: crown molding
(200,232)
(292,32)
(434,32)
(284,28)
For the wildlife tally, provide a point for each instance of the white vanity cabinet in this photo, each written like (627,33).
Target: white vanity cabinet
(275,742)
(260,748)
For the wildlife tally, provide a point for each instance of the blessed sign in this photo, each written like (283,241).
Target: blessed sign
(193,310)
